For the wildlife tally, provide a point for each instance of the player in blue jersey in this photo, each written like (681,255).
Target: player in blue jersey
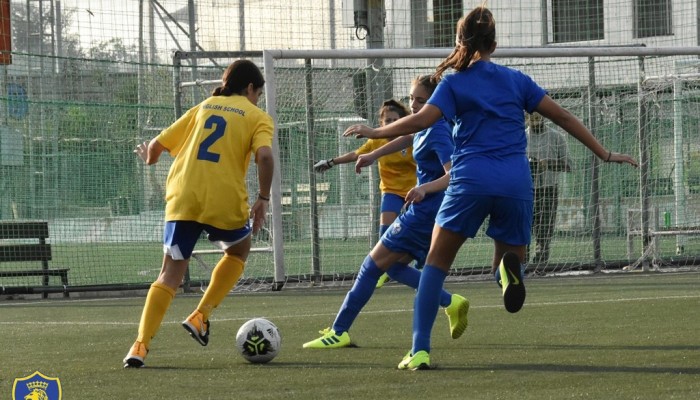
(490,174)
(408,237)
(212,144)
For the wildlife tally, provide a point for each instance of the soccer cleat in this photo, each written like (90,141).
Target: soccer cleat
(382,280)
(418,361)
(512,282)
(329,340)
(136,355)
(197,327)
(457,315)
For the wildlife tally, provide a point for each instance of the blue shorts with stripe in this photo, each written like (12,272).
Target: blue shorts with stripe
(180,237)
(510,219)
(411,231)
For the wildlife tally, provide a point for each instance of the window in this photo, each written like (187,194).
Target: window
(577,20)
(652,18)
(433,22)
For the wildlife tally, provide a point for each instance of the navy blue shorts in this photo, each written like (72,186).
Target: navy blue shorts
(411,231)
(180,237)
(510,220)
(392,203)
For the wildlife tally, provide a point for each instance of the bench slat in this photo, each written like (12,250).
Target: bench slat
(36,272)
(25,252)
(24,230)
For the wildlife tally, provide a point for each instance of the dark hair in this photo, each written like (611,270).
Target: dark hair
(392,105)
(238,76)
(476,34)
(427,81)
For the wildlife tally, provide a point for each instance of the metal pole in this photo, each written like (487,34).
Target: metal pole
(276,195)
(643,167)
(310,145)
(595,185)
(241,25)
(193,44)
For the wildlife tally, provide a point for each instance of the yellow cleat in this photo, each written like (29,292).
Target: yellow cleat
(197,327)
(418,361)
(136,355)
(329,340)
(457,315)
(382,280)
(512,282)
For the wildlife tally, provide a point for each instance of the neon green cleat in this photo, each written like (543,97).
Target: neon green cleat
(418,361)
(382,280)
(329,340)
(457,314)
(512,282)
(136,356)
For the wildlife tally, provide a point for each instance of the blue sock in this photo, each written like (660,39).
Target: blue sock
(425,306)
(410,277)
(358,296)
(382,229)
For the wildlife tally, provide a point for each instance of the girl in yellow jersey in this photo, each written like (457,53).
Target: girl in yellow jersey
(397,171)
(206,192)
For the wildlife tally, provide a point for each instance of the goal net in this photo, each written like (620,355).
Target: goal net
(639,101)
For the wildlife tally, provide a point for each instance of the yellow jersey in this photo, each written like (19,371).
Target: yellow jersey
(397,171)
(212,144)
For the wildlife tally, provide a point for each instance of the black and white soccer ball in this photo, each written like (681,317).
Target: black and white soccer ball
(258,340)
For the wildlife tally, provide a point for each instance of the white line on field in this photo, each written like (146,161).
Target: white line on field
(549,303)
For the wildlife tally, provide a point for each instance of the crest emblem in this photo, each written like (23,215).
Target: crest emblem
(396,228)
(36,386)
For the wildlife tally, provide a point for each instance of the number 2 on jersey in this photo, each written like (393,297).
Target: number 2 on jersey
(219,123)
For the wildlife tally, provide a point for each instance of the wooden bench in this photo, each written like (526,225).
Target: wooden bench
(27,252)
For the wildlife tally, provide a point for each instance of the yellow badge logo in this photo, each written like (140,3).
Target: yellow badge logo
(37,386)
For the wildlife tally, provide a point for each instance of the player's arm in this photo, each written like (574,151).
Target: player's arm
(418,193)
(150,152)
(567,121)
(368,159)
(413,123)
(265,165)
(325,165)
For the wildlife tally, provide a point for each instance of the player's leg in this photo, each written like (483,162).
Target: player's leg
(390,208)
(410,234)
(509,226)
(236,245)
(443,250)
(356,298)
(179,239)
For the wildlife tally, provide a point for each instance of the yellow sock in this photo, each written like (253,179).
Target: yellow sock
(224,277)
(157,303)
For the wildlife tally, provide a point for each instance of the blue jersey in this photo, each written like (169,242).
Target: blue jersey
(432,149)
(411,231)
(487,101)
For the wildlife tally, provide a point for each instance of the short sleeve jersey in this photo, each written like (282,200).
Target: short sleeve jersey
(487,101)
(432,149)
(548,145)
(397,171)
(212,144)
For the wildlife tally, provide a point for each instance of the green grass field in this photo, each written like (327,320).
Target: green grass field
(607,336)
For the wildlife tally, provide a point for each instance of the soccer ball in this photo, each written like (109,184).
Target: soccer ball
(258,340)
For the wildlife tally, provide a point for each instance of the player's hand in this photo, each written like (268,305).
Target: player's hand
(141,150)
(622,158)
(364,160)
(360,131)
(258,213)
(324,165)
(415,195)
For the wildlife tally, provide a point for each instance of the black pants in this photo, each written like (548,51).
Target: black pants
(544,218)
